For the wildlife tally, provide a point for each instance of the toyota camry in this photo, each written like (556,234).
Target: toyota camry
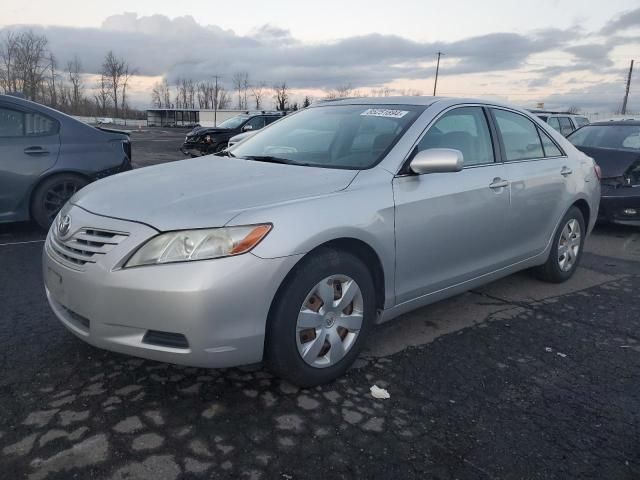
(291,246)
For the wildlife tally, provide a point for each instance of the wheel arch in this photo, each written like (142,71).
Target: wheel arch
(584,208)
(354,246)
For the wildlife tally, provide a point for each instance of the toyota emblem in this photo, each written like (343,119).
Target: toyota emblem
(63,225)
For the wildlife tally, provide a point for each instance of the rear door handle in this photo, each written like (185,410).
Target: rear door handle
(36,151)
(498,183)
(566,171)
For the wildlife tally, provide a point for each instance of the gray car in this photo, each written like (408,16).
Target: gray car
(46,156)
(293,245)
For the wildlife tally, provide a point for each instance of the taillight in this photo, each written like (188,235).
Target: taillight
(598,171)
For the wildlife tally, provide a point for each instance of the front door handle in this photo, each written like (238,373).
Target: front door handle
(498,183)
(36,151)
(566,171)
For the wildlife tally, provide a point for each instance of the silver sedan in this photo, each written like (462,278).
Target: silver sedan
(291,245)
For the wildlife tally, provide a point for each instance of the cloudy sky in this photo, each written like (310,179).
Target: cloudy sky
(561,52)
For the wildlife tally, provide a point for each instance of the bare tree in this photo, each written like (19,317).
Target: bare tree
(342,91)
(281,96)
(222,98)
(74,68)
(102,95)
(241,85)
(126,76)
(53,92)
(307,101)
(8,54)
(573,109)
(382,92)
(257,91)
(113,69)
(31,64)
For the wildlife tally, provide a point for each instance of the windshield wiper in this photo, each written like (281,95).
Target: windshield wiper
(224,153)
(272,159)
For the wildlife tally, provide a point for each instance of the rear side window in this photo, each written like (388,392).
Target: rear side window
(463,129)
(270,120)
(519,136)
(11,123)
(566,127)
(550,148)
(14,123)
(580,121)
(553,122)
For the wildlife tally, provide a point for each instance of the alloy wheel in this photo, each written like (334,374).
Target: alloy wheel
(57,196)
(569,245)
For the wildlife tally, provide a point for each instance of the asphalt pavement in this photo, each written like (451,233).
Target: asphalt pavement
(518,379)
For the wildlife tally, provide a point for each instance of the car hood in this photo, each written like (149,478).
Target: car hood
(613,163)
(198,131)
(205,192)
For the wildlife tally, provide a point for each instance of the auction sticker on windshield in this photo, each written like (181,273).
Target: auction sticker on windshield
(384,112)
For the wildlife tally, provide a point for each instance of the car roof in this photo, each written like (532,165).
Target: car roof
(617,123)
(424,101)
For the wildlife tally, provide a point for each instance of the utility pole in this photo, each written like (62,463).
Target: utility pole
(626,93)
(215,102)
(435,83)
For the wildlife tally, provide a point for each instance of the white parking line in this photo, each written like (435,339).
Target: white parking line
(21,243)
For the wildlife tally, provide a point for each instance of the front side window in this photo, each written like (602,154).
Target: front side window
(332,136)
(256,123)
(11,123)
(463,129)
(519,136)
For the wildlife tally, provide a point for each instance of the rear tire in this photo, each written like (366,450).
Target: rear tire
(566,249)
(51,195)
(334,336)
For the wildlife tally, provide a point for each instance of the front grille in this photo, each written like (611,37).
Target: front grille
(84,246)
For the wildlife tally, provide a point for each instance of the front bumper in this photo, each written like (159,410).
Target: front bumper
(196,149)
(219,306)
(615,201)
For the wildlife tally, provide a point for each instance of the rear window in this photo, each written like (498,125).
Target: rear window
(619,137)
(581,121)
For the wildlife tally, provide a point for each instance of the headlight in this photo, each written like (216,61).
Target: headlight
(202,244)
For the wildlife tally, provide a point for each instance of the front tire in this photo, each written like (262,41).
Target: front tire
(566,249)
(320,318)
(51,195)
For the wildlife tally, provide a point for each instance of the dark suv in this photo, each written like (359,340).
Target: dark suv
(46,156)
(206,140)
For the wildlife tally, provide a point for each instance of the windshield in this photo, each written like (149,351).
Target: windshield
(345,136)
(619,137)
(233,122)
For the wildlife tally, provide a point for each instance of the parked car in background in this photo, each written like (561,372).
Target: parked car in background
(238,138)
(207,140)
(563,122)
(291,246)
(615,146)
(47,156)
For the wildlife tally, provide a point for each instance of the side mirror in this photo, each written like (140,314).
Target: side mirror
(437,160)
(246,128)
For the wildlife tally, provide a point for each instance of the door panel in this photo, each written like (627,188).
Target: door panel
(538,198)
(29,146)
(538,189)
(449,228)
